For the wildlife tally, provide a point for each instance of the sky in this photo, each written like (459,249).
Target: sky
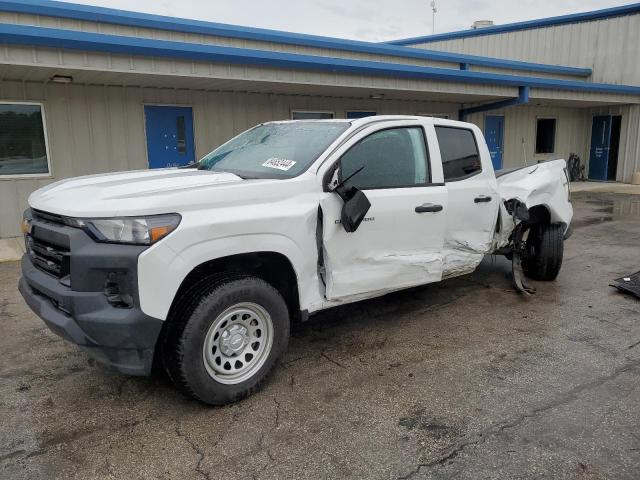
(370,20)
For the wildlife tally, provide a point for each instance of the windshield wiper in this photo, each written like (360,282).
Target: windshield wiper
(191,165)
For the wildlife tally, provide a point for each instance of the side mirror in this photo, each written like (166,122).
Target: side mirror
(356,204)
(355,207)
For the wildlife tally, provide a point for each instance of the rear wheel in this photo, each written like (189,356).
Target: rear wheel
(225,338)
(544,252)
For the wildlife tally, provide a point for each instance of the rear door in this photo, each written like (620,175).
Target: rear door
(399,243)
(473,198)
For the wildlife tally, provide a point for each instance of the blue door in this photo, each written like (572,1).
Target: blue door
(494,134)
(600,143)
(169,136)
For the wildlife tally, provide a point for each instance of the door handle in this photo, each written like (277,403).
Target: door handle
(482,199)
(428,207)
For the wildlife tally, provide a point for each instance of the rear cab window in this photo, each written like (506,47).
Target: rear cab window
(459,152)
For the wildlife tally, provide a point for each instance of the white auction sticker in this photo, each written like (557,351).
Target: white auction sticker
(279,163)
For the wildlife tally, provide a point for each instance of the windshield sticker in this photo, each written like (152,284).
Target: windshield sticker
(279,163)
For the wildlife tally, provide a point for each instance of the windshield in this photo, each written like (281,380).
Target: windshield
(274,150)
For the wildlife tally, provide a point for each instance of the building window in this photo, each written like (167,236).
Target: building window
(434,115)
(546,135)
(459,152)
(353,114)
(311,115)
(23,147)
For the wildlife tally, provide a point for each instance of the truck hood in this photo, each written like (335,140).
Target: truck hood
(129,193)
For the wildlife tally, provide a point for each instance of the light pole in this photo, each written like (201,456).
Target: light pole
(433,16)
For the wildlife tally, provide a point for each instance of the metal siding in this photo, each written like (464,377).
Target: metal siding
(572,133)
(292,43)
(97,129)
(575,18)
(57,58)
(156,34)
(610,47)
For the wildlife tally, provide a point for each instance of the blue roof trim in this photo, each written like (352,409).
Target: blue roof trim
(135,19)
(56,38)
(512,27)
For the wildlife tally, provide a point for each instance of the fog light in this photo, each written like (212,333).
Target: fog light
(115,296)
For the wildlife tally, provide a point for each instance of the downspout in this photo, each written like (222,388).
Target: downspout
(523,98)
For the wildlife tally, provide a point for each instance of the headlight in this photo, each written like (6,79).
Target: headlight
(132,230)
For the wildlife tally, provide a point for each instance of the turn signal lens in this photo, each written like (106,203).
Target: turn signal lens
(157,233)
(25,226)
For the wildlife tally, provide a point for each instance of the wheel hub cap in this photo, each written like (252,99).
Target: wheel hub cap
(238,343)
(234,339)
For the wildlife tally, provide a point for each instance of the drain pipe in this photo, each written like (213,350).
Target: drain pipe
(523,97)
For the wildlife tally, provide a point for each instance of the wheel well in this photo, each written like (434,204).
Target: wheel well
(272,267)
(539,214)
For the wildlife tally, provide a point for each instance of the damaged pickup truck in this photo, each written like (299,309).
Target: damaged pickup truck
(201,269)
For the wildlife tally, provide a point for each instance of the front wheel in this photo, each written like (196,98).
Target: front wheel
(225,338)
(544,251)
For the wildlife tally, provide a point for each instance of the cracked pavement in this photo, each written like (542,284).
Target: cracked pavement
(463,379)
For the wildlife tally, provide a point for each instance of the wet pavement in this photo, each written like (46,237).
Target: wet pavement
(463,379)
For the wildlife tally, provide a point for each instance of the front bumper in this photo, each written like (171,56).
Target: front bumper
(78,309)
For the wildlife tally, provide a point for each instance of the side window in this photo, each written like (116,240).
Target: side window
(23,147)
(459,151)
(545,135)
(391,158)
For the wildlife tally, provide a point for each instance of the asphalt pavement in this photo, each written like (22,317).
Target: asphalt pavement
(463,379)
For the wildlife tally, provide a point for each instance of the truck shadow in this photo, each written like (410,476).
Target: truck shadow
(494,273)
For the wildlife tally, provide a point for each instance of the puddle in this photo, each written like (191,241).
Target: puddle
(592,208)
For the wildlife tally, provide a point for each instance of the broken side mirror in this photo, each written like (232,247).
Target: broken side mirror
(355,203)
(355,207)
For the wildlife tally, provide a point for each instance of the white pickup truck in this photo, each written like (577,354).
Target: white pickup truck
(201,269)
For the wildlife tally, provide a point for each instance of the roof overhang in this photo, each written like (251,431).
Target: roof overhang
(135,19)
(123,45)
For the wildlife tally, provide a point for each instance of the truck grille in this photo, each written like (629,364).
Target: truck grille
(48,217)
(47,257)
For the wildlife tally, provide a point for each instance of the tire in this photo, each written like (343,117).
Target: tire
(545,249)
(225,336)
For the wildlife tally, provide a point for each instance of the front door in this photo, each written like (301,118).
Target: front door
(169,136)
(399,243)
(494,135)
(600,144)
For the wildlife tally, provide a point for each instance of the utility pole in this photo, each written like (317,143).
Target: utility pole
(433,16)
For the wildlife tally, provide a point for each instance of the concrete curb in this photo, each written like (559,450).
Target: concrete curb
(605,187)
(11,249)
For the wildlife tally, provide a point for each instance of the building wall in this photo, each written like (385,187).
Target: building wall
(609,46)
(96,129)
(152,33)
(572,133)
(157,34)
